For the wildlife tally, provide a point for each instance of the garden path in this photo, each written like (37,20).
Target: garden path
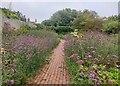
(55,72)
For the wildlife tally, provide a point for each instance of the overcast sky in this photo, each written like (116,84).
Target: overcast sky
(43,10)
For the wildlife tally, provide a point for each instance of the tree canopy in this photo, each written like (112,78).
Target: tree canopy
(61,18)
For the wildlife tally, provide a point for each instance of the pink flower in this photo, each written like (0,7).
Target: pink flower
(80,62)
(75,54)
(91,76)
(72,56)
(111,81)
(10,65)
(89,56)
(78,57)
(95,59)
(12,82)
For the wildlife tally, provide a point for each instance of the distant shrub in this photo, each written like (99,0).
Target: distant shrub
(111,26)
(59,29)
(39,26)
(50,28)
(63,29)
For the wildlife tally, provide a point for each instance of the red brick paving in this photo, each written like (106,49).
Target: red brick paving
(55,72)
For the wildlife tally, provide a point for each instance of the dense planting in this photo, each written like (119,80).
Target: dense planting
(91,46)
(24,53)
(92,59)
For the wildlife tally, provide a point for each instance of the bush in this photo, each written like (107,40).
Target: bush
(63,29)
(59,29)
(111,26)
(87,22)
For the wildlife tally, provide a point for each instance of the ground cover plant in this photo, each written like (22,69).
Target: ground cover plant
(92,59)
(24,53)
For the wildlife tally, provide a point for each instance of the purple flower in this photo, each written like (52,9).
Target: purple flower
(10,65)
(12,82)
(91,76)
(78,57)
(80,62)
(75,54)
(89,56)
(72,56)
(111,81)
(95,59)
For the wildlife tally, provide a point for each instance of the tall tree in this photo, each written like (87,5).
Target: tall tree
(62,18)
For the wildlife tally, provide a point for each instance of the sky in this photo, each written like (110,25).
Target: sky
(43,10)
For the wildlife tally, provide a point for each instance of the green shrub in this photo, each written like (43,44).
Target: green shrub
(63,29)
(111,26)
(60,29)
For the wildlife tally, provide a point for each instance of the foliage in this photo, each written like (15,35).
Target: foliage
(24,54)
(111,26)
(39,27)
(114,18)
(63,29)
(61,18)
(92,59)
(87,20)
(75,33)
(60,29)
(22,31)
(12,14)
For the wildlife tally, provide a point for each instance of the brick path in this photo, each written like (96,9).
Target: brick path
(55,72)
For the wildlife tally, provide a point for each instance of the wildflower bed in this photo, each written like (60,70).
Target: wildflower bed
(92,59)
(24,54)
